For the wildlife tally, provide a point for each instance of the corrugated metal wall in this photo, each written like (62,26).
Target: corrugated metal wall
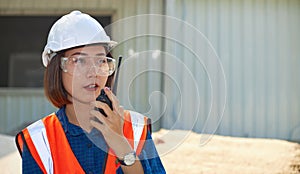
(19,107)
(258,45)
(140,76)
(177,79)
(256,42)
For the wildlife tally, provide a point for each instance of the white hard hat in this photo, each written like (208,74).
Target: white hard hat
(72,30)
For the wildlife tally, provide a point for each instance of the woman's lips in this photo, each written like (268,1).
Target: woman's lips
(91,87)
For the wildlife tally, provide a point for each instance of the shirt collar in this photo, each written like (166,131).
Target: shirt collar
(67,126)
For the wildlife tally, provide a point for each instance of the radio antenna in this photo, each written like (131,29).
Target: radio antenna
(114,90)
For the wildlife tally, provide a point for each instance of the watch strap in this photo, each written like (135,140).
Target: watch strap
(122,161)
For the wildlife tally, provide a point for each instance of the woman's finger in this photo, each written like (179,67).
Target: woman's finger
(99,116)
(98,126)
(112,98)
(120,111)
(103,106)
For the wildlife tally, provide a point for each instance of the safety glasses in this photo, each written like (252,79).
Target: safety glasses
(79,65)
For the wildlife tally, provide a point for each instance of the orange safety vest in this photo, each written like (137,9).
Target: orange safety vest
(48,144)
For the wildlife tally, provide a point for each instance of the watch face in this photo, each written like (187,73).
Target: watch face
(129,159)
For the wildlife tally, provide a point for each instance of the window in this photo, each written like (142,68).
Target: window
(22,41)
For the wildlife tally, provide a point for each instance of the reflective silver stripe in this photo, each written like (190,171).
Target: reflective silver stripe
(138,124)
(38,135)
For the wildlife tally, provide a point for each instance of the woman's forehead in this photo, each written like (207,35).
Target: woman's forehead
(89,50)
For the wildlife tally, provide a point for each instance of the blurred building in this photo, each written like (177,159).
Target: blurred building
(224,67)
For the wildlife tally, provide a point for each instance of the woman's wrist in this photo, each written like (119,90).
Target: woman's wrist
(123,148)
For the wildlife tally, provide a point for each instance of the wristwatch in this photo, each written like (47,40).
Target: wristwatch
(128,160)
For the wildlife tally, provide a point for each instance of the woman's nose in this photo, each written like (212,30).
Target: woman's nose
(92,71)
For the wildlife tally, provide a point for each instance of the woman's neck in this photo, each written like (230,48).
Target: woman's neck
(79,114)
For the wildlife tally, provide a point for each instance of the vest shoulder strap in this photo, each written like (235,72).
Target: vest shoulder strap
(48,154)
(35,140)
(139,126)
(40,141)
(135,129)
(60,148)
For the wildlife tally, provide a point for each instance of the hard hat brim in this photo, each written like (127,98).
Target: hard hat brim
(48,54)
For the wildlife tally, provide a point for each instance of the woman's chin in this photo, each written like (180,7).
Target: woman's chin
(86,97)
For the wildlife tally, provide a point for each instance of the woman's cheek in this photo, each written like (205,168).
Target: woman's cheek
(68,83)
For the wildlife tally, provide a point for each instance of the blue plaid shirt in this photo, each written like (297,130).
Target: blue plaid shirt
(89,155)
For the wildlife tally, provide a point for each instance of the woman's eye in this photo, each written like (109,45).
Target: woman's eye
(78,60)
(103,60)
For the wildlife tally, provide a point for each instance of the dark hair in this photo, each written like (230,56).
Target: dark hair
(53,85)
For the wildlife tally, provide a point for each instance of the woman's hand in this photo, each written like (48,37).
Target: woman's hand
(112,130)
(112,125)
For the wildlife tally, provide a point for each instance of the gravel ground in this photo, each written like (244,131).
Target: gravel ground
(226,155)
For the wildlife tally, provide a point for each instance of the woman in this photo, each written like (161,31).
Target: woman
(78,138)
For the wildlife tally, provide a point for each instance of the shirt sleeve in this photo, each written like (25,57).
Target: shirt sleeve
(28,163)
(150,159)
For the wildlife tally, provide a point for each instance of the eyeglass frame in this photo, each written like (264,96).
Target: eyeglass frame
(64,60)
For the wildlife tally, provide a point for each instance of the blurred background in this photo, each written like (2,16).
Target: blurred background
(257,44)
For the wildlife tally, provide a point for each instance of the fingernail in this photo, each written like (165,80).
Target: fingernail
(107,88)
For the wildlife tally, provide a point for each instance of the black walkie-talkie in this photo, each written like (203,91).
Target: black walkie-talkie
(103,97)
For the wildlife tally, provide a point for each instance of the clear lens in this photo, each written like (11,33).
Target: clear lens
(80,65)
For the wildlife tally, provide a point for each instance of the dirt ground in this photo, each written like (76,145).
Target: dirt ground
(226,155)
(188,152)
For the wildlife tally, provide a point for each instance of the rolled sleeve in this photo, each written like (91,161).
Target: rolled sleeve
(149,157)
